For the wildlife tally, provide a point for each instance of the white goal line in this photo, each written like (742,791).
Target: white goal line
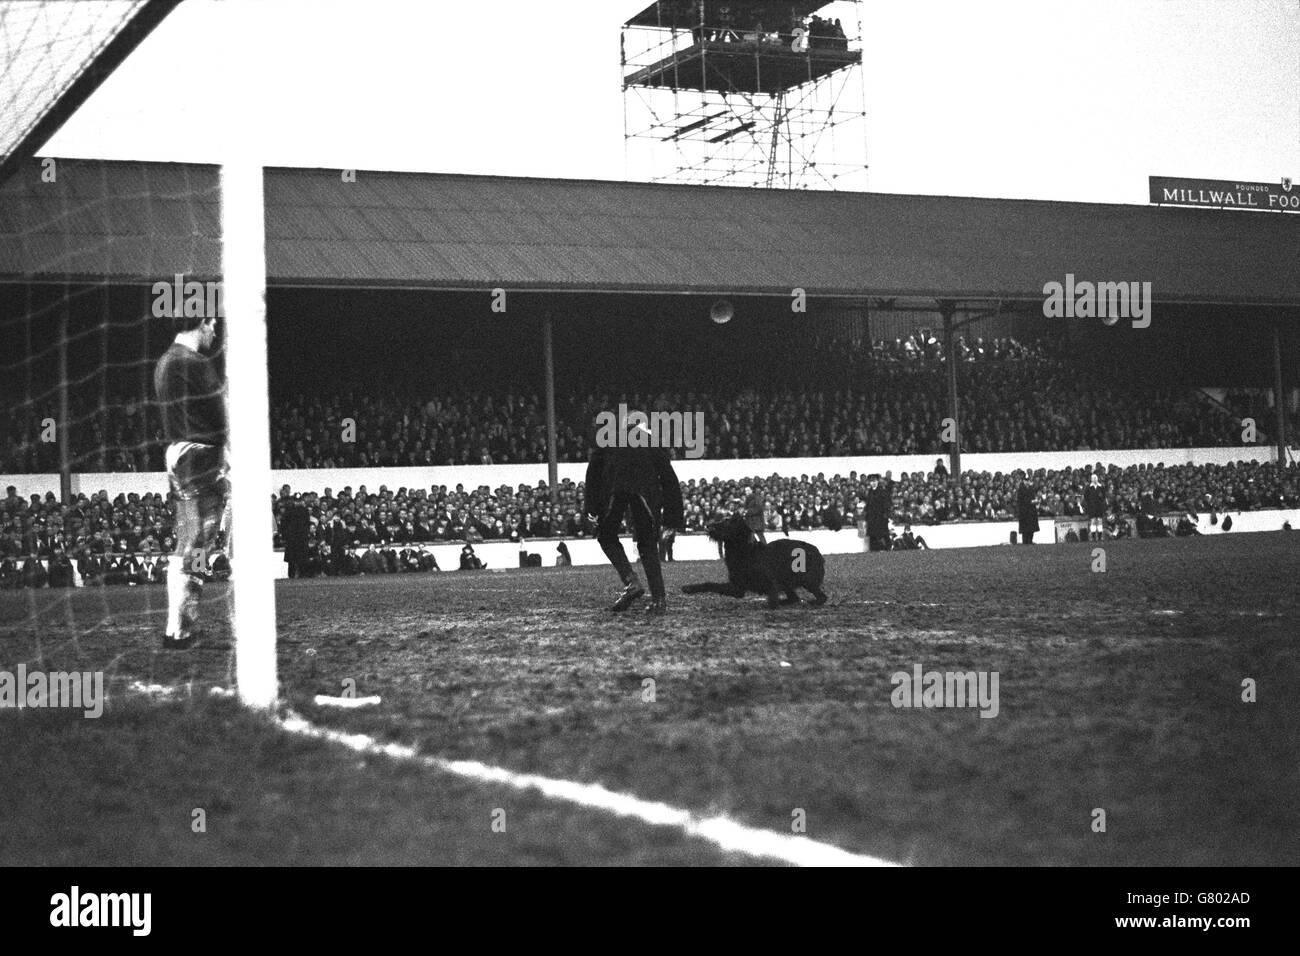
(726,834)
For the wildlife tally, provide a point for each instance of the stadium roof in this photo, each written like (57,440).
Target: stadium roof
(132,222)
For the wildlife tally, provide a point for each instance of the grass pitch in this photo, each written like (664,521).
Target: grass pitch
(1119,690)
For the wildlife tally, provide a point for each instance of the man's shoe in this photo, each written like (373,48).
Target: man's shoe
(629,597)
(656,607)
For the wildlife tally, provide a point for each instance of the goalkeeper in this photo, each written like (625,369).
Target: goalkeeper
(191,399)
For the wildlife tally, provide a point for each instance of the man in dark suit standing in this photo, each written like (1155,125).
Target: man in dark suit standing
(339,542)
(831,517)
(754,513)
(1027,509)
(639,479)
(879,504)
(295,529)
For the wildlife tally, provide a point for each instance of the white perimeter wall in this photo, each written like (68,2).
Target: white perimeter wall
(697,547)
(499,555)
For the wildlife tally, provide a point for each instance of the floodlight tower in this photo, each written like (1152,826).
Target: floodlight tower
(746,93)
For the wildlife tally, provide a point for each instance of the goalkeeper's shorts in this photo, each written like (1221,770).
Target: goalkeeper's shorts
(195,470)
(197,475)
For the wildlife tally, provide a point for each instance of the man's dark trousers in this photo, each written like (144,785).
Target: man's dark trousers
(639,480)
(645,531)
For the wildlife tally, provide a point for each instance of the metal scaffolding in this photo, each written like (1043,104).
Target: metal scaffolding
(746,93)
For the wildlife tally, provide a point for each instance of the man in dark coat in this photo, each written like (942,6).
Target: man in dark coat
(1027,509)
(879,504)
(907,541)
(295,528)
(831,517)
(640,480)
(34,573)
(340,540)
(754,513)
(372,562)
(61,573)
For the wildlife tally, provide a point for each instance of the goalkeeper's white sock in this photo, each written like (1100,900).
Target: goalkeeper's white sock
(182,597)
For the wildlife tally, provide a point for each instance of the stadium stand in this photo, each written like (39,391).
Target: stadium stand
(885,402)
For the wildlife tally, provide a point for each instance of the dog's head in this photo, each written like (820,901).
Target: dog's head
(729,530)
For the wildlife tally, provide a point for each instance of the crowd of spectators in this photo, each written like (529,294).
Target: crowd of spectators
(107,432)
(890,400)
(928,498)
(351,518)
(126,538)
(1016,396)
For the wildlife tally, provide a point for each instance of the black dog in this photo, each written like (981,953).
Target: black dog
(782,565)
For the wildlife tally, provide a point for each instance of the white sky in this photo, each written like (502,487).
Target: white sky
(1052,99)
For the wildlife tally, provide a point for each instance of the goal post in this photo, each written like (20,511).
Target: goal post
(252,603)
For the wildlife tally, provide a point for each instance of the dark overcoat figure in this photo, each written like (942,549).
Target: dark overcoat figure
(1027,511)
(295,529)
(879,505)
(639,481)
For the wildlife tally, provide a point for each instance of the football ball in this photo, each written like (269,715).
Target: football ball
(722,311)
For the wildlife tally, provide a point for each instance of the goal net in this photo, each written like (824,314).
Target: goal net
(97,259)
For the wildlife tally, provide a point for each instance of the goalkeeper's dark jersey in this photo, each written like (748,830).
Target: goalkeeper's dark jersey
(190,397)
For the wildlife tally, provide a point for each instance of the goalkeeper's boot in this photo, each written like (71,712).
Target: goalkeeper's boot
(182,640)
(631,594)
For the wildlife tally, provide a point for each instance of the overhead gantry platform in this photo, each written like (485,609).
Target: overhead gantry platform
(755,85)
(744,66)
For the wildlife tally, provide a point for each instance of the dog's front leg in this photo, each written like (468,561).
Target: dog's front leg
(773,594)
